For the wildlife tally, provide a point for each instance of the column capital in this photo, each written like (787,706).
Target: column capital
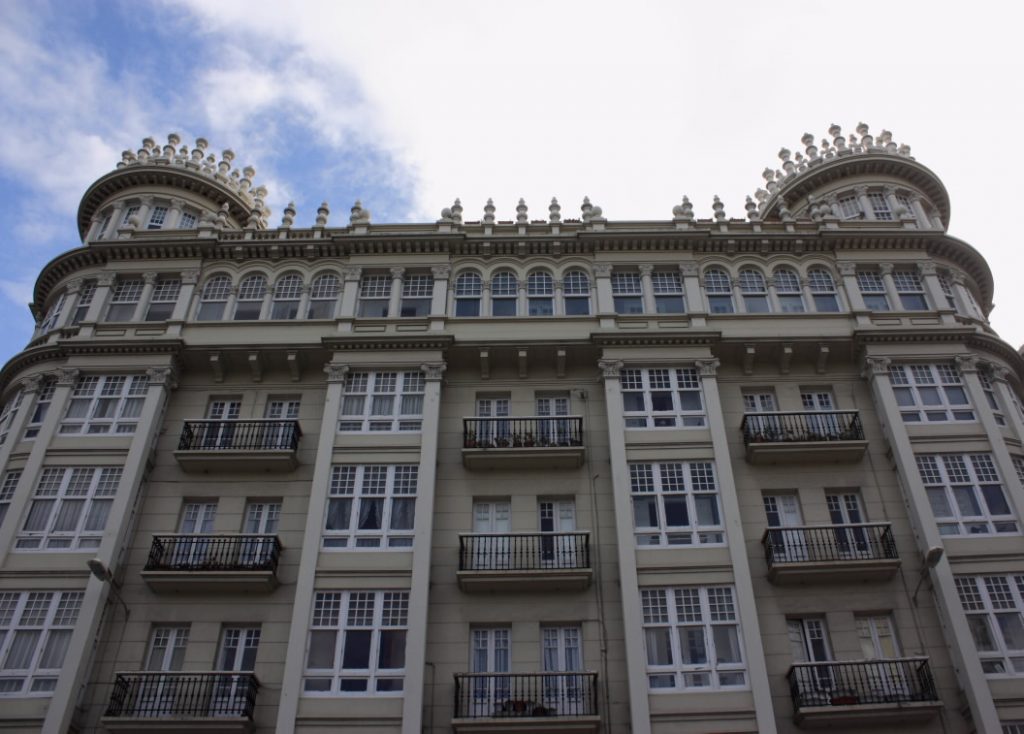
(32,383)
(163,376)
(189,277)
(927,267)
(433,370)
(177,203)
(67,376)
(105,279)
(645,269)
(860,190)
(1000,373)
(336,372)
(149,278)
(689,270)
(957,277)
(441,272)
(397,272)
(708,367)
(889,190)
(74,285)
(602,270)
(610,368)
(966,363)
(877,366)
(885,268)
(146,200)
(847,268)
(351,272)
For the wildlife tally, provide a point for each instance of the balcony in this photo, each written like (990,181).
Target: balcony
(265,445)
(830,553)
(523,443)
(780,438)
(524,562)
(869,692)
(212,563)
(540,703)
(185,703)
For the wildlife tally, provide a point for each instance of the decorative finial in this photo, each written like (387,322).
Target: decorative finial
(683,212)
(359,215)
(489,212)
(222,216)
(587,209)
(719,208)
(751,208)
(554,211)
(457,211)
(521,217)
(288,215)
(322,213)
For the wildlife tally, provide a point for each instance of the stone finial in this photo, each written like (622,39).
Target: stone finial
(446,216)
(751,208)
(288,215)
(222,215)
(866,140)
(683,212)
(322,212)
(554,211)
(586,209)
(719,208)
(457,211)
(359,215)
(489,212)
(521,217)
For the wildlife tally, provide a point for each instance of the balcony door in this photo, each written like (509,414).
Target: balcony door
(279,434)
(221,435)
(809,643)
(762,427)
(158,695)
(493,433)
(783,511)
(197,518)
(824,427)
(550,431)
(877,635)
(490,655)
(558,544)
(237,655)
(844,508)
(562,654)
(261,518)
(493,519)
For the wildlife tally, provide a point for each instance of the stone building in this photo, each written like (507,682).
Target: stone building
(754,474)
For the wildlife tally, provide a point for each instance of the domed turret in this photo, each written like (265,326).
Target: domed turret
(172,188)
(859,177)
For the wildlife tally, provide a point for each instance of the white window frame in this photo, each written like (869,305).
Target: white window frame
(788,290)
(575,291)
(966,494)
(374,295)
(754,290)
(627,292)
(337,613)
(44,398)
(504,294)
(668,291)
(990,397)
(85,295)
(284,305)
(105,404)
(252,293)
(823,290)
(382,402)
(7,487)
(163,299)
(79,498)
(992,603)
(8,413)
(669,613)
(417,295)
(124,299)
(354,487)
(323,296)
(49,322)
(674,381)
(689,487)
(213,299)
(873,291)
(718,290)
(188,220)
(47,616)
(931,393)
(540,294)
(469,288)
(910,289)
(157,217)
(880,206)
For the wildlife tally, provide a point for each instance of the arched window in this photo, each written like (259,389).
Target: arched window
(823,290)
(576,293)
(718,286)
(468,288)
(287,292)
(214,298)
(251,291)
(790,294)
(504,292)
(323,295)
(540,294)
(754,290)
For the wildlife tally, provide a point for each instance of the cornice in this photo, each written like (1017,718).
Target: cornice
(669,339)
(971,338)
(386,343)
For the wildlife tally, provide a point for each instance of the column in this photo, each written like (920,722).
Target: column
(148,280)
(890,287)
(958,635)
(71,291)
(419,588)
(890,198)
(558,308)
(395,302)
(116,216)
(29,387)
(174,214)
(737,295)
(647,289)
(632,614)
(145,204)
(605,305)
(930,277)
(964,296)
(294,664)
(78,659)
(917,209)
(99,302)
(848,276)
(182,309)
(439,296)
(745,600)
(865,204)
(349,292)
(695,305)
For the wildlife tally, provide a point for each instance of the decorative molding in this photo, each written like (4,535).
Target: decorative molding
(67,376)
(31,383)
(433,371)
(611,368)
(189,277)
(336,372)
(846,269)
(877,366)
(602,270)
(966,363)
(927,267)
(441,272)
(163,376)
(708,367)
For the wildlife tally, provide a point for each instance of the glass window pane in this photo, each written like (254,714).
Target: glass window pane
(357,650)
(659,646)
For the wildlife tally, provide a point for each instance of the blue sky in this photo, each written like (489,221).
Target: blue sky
(407,105)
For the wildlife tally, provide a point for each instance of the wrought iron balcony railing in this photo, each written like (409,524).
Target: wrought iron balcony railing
(502,695)
(524,551)
(841,425)
(530,432)
(829,543)
(862,683)
(183,695)
(214,553)
(232,435)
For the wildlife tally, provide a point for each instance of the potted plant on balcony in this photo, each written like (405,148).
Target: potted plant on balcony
(471,440)
(528,439)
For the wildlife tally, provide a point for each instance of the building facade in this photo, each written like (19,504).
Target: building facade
(758,474)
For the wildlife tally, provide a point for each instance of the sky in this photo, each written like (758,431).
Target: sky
(408,105)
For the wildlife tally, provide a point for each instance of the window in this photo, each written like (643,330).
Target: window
(692,636)
(947,291)
(85,296)
(754,290)
(124,299)
(214,298)
(287,292)
(7,414)
(102,228)
(69,508)
(540,294)
(718,286)
(1018,467)
(908,209)
(52,315)
(872,289)
(371,506)
(468,288)
(157,217)
(164,298)
(128,214)
(849,208)
(662,398)
(995,614)
(382,401)
(880,206)
(7,488)
(789,291)
(990,397)
(374,295)
(965,494)
(323,295)
(668,292)
(357,643)
(676,504)
(504,294)
(932,393)
(187,221)
(627,293)
(35,631)
(43,399)
(1013,727)
(105,404)
(417,290)
(823,290)
(910,290)
(576,292)
(249,304)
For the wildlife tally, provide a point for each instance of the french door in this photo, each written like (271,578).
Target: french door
(493,520)
(826,425)
(783,511)
(762,427)
(197,518)
(558,550)
(562,654)
(550,431)
(165,653)
(844,508)
(877,635)
(493,432)
(809,643)
(221,434)
(261,518)
(237,654)
(490,654)
(278,435)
